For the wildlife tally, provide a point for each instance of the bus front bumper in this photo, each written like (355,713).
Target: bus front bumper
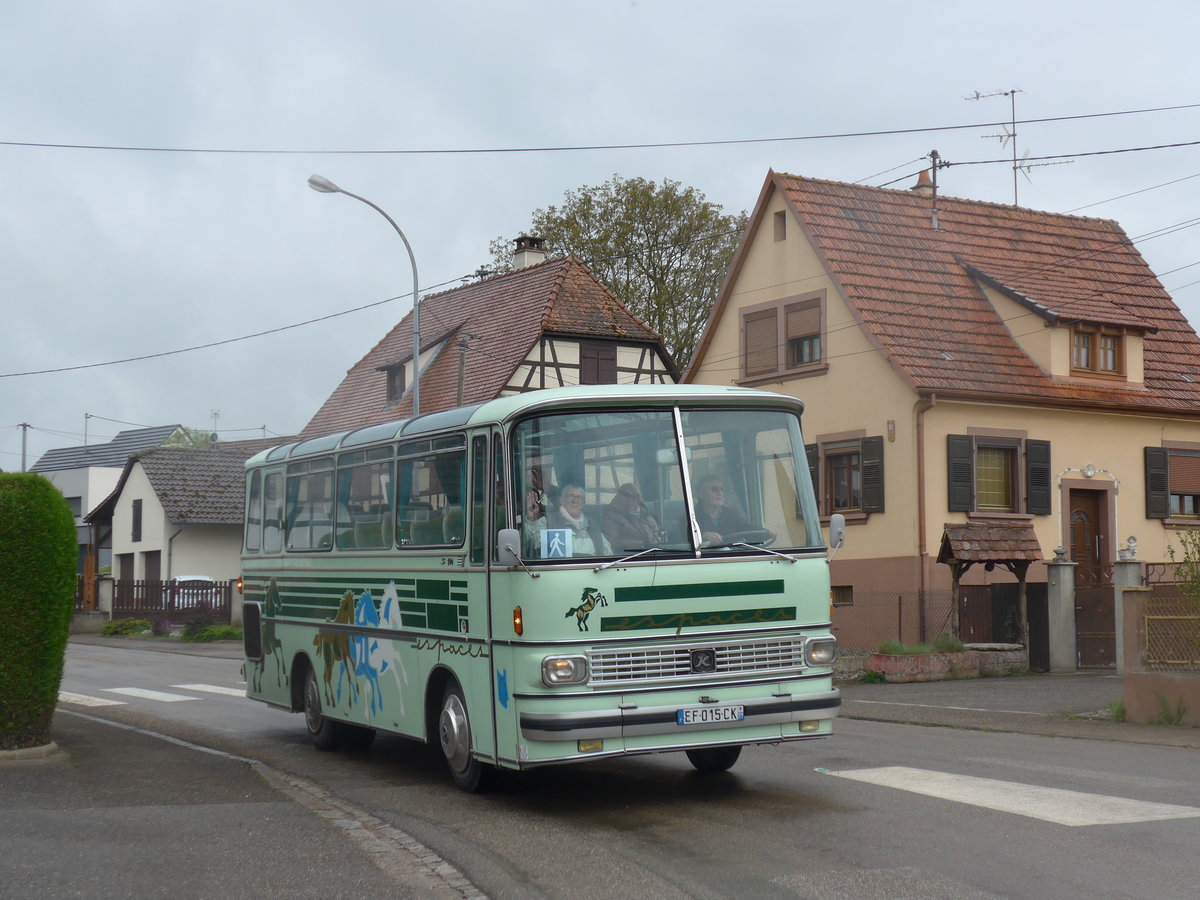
(638,721)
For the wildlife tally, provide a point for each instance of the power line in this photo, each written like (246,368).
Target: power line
(586,147)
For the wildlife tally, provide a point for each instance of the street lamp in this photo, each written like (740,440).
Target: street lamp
(325,186)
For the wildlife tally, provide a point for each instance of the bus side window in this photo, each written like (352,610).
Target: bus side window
(273,513)
(478,498)
(254,514)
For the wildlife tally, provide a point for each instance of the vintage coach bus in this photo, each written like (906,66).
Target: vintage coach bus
(547,578)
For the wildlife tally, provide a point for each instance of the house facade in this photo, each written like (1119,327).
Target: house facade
(85,475)
(176,512)
(545,324)
(965,362)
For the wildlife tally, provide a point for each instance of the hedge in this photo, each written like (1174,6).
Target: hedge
(37,591)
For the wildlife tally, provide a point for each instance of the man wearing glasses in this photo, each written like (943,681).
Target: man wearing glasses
(716,520)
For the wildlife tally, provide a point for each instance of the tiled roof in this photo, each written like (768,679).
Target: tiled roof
(917,292)
(195,487)
(502,318)
(992,541)
(111,455)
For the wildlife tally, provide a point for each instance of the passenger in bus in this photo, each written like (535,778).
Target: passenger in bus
(587,539)
(627,524)
(717,520)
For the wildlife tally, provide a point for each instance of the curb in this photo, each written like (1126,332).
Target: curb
(43,753)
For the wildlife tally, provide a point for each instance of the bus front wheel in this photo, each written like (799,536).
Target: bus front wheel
(324,732)
(714,759)
(454,737)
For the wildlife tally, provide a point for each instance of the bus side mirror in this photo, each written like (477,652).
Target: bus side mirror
(508,543)
(837,531)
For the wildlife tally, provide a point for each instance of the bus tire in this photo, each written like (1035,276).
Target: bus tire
(325,733)
(454,737)
(714,759)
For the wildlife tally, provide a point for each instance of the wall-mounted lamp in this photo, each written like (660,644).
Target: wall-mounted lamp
(1089,471)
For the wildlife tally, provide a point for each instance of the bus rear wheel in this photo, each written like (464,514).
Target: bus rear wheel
(454,737)
(714,759)
(325,733)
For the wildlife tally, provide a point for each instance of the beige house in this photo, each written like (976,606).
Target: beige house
(966,363)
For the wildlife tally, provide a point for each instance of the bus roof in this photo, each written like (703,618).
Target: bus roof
(504,409)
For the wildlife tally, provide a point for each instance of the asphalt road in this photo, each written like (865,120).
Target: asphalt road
(880,809)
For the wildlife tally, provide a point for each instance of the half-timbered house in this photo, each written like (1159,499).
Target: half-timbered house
(548,323)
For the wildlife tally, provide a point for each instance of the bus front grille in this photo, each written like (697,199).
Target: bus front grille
(691,662)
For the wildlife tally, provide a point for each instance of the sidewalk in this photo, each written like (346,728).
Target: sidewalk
(1073,705)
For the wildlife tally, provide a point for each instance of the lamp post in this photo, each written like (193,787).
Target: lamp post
(325,186)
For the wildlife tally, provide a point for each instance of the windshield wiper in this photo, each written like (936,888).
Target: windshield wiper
(617,562)
(759,546)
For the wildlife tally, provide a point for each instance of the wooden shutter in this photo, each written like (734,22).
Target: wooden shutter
(960,455)
(597,363)
(810,451)
(872,474)
(1158,491)
(761,352)
(1183,473)
(1037,477)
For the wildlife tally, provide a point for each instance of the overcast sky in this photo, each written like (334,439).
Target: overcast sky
(107,254)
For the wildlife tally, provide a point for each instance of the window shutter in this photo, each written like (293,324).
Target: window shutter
(762,343)
(804,319)
(597,363)
(1037,477)
(1183,473)
(872,474)
(960,454)
(1158,492)
(810,450)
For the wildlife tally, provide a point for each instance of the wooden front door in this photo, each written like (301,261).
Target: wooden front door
(1095,619)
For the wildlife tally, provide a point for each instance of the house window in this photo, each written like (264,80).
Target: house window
(1172,483)
(395,384)
(842,595)
(986,475)
(781,225)
(1096,351)
(76,504)
(136,531)
(783,337)
(597,363)
(995,481)
(848,475)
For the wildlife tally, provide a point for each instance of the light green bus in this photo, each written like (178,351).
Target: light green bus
(547,578)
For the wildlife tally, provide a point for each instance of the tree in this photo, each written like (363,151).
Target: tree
(663,249)
(37,592)
(190,439)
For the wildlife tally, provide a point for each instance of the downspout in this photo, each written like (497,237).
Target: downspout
(171,550)
(924,404)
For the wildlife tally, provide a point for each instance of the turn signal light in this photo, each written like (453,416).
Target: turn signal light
(593,746)
(518,621)
(241,585)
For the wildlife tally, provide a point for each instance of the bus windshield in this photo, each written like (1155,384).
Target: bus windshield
(605,484)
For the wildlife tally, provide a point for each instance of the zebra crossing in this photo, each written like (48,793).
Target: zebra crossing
(206,691)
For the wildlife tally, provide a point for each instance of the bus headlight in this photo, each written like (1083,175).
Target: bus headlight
(558,670)
(820,652)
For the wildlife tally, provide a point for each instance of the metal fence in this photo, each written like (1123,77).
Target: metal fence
(165,601)
(1171,625)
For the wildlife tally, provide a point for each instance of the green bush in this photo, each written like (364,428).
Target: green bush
(37,596)
(201,633)
(125,627)
(943,643)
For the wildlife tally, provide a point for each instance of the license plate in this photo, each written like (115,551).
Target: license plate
(709,715)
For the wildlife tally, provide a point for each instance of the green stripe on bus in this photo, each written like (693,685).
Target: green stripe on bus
(699,619)
(693,591)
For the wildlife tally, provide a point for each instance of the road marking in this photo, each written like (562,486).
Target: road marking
(212,689)
(161,696)
(84,700)
(1062,807)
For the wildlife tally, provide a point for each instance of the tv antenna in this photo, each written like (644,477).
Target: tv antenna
(1009,135)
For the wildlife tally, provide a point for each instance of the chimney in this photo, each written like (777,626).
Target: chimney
(924,185)
(529,251)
